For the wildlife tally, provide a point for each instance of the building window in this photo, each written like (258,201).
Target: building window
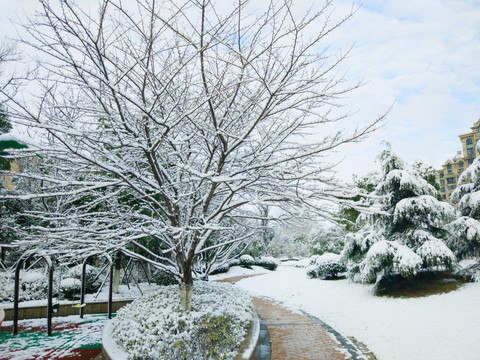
(451,180)
(449,168)
(451,187)
(470,161)
(442,189)
(469,143)
(442,182)
(460,164)
(444,197)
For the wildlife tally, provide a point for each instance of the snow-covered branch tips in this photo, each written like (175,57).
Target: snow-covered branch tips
(166,123)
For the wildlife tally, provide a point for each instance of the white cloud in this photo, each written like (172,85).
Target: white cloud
(422,55)
(425,56)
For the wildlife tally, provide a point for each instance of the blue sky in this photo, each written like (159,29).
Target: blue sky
(422,56)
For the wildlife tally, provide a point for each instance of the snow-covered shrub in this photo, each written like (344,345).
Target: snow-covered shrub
(7,285)
(267,262)
(388,259)
(312,259)
(33,285)
(92,280)
(327,266)
(220,269)
(70,288)
(160,277)
(247,261)
(155,327)
(311,271)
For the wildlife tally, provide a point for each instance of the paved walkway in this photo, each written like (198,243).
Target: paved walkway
(297,336)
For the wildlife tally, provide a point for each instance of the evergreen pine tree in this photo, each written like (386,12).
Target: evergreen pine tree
(405,235)
(465,231)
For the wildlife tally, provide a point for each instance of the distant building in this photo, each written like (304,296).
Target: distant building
(448,176)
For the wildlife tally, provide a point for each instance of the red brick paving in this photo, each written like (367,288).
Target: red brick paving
(294,336)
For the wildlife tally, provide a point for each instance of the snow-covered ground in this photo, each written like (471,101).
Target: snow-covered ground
(239,271)
(438,327)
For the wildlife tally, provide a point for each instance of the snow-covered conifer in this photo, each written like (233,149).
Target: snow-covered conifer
(465,231)
(407,233)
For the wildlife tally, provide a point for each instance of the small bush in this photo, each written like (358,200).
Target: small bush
(6,285)
(327,267)
(268,263)
(312,259)
(312,271)
(220,269)
(163,278)
(33,285)
(247,261)
(70,288)
(92,280)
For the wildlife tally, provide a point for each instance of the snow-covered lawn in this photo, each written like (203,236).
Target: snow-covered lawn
(438,327)
(235,271)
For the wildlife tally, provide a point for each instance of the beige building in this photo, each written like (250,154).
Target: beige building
(451,170)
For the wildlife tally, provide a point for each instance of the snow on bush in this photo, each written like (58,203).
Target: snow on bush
(33,285)
(6,286)
(92,281)
(389,258)
(312,259)
(155,327)
(327,266)
(220,268)
(436,253)
(356,246)
(246,260)
(70,288)
(267,262)
(162,278)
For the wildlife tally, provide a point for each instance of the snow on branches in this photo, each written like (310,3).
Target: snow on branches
(165,123)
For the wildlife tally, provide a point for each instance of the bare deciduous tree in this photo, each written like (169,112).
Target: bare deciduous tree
(168,121)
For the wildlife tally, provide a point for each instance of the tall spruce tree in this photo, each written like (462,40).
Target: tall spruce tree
(406,234)
(465,231)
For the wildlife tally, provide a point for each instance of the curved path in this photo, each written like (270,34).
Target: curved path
(299,336)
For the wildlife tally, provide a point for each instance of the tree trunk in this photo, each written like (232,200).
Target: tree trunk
(186,289)
(116,274)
